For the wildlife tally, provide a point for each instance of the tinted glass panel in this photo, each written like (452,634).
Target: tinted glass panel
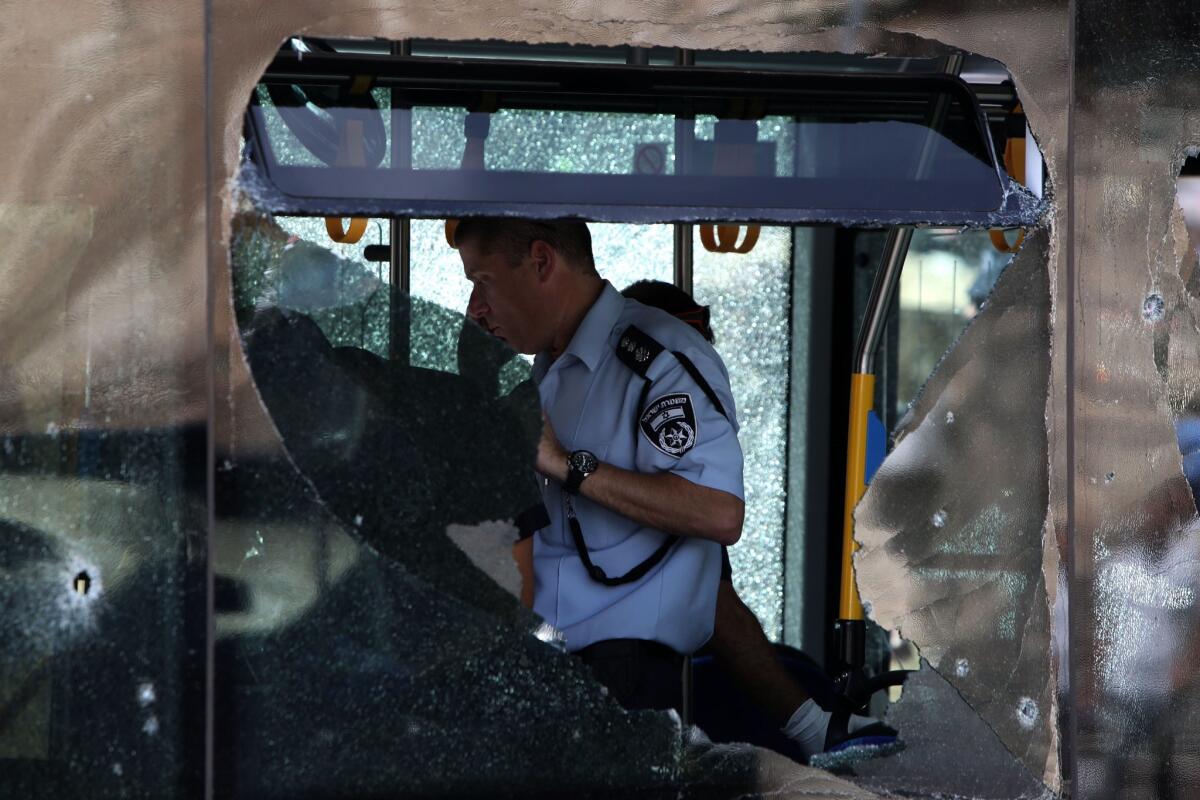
(614,143)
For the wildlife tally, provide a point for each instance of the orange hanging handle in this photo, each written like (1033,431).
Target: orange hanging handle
(350,235)
(724,238)
(1000,240)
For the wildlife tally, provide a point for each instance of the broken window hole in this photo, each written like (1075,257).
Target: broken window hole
(315,311)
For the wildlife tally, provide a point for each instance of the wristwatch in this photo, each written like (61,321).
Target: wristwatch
(580,464)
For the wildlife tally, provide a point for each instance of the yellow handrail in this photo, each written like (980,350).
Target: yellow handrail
(862,394)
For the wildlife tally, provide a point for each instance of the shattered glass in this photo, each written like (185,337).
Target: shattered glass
(287,146)
(338,569)
(950,751)
(750,301)
(970,547)
(102,404)
(1133,612)
(292,263)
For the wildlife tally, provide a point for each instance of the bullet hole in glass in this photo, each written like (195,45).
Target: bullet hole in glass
(1027,712)
(939,519)
(1153,308)
(1109,477)
(82,583)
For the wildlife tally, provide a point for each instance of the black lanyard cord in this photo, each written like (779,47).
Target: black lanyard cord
(599,575)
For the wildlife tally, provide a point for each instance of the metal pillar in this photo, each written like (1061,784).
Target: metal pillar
(400,233)
(685,133)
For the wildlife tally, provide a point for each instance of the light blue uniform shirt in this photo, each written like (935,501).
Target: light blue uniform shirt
(592,398)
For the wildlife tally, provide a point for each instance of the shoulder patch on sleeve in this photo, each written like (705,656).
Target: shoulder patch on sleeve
(637,350)
(669,422)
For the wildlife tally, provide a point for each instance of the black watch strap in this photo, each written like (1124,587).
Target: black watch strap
(574,479)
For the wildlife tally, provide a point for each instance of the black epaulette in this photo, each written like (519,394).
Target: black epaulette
(637,350)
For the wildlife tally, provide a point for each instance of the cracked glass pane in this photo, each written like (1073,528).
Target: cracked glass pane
(365,572)
(841,146)
(950,750)
(292,263)
(102,373)
(1134,543)
(749,296)
(972,595)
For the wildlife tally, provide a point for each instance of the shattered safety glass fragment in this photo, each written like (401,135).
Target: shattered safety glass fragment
(953,558)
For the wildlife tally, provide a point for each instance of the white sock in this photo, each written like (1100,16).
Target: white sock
(809,725)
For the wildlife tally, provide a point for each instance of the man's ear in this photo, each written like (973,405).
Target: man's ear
(544,258)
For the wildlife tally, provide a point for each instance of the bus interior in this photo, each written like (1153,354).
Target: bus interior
(771,188)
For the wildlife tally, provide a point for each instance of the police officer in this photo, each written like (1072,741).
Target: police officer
(738,642)
(639,459)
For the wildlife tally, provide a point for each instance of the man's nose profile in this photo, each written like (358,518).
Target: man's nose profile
(475,307)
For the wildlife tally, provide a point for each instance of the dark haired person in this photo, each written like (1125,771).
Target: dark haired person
(641,468)
(738,642)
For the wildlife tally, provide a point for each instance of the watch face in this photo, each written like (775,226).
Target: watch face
(584,462)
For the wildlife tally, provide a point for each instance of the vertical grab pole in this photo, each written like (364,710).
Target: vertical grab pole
(684,135)
(684,259)
(851,628)
(851,647)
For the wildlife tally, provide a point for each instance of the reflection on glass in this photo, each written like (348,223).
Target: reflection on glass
(750,299)
(314,126)
(291,262)
(946,279)
(953,524)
